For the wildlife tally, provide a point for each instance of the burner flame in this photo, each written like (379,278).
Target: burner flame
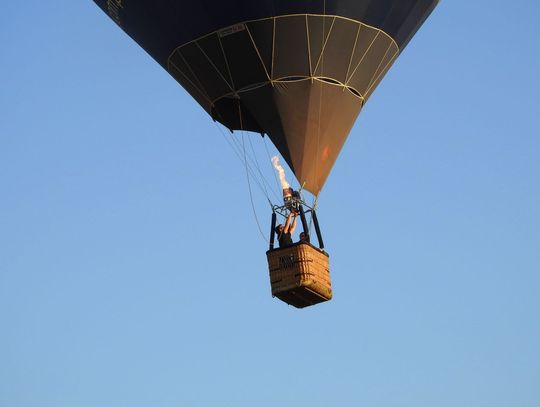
(281,171)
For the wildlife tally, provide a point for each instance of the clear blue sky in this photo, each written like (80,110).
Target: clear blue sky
(132,272)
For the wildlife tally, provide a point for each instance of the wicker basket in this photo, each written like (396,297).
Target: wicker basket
(300,275)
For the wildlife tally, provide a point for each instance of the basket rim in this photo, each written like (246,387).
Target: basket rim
(279,249)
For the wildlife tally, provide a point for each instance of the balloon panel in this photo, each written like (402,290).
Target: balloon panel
(299,71)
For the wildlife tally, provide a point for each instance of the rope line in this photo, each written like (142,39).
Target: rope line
(261,181)
(251,194)
(272,168)
(237,149)
(238,152)
(260,172)
(314,209)
(247,177)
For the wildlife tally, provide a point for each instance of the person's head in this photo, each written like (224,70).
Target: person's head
(303,236)
(279,229)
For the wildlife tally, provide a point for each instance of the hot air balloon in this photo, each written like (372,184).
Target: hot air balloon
(298,71)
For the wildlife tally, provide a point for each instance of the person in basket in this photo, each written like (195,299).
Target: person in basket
(284,233)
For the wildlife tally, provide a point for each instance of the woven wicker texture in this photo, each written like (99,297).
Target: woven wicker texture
(300,275)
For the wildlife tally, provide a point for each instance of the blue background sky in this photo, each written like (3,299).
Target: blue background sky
(132,272)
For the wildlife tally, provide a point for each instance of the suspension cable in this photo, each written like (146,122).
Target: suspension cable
(269,161)
(251,194)
(234,145)
(313,209)
(247,177)
(260,172)
(261,180)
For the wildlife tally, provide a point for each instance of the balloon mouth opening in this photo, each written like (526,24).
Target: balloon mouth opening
(332,81)
(323,79)
(293,78)
(237,95)
(355,92)
(336,82)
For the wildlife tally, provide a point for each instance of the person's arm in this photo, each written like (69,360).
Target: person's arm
(293,226)
(288,223)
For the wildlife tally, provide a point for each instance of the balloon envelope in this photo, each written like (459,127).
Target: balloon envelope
(299,71)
